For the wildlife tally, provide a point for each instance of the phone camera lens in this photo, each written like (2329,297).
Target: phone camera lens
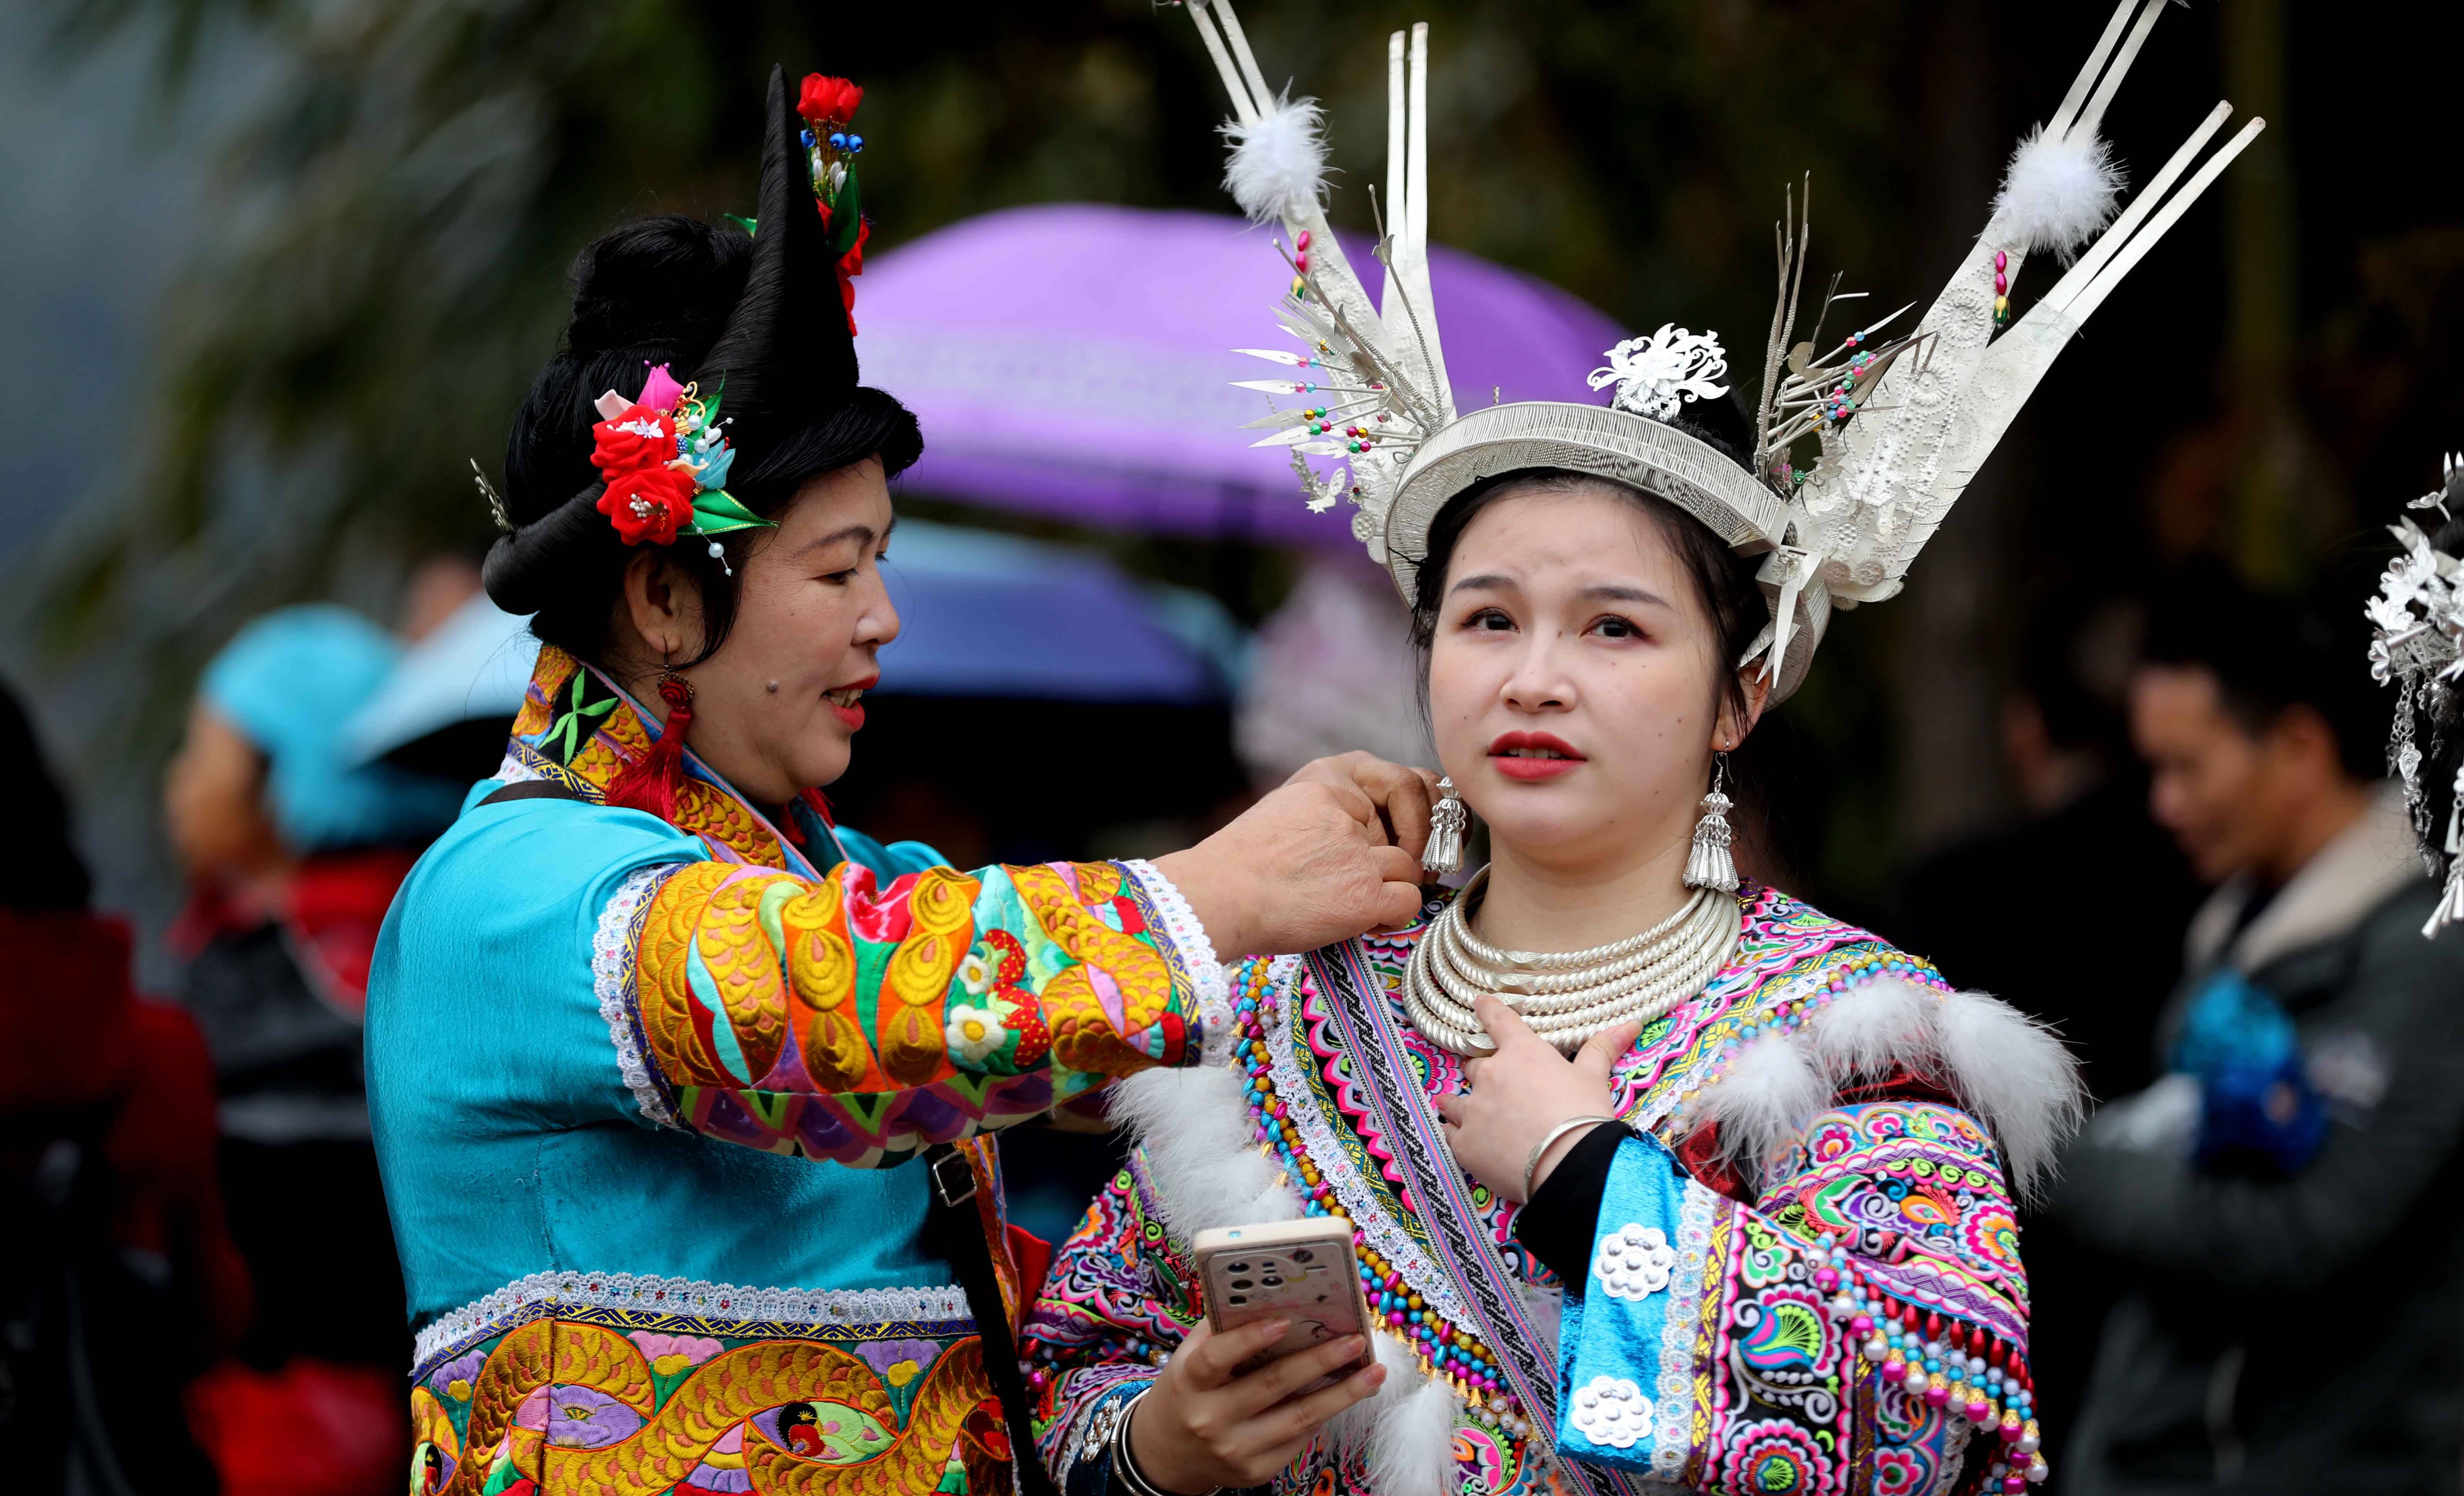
(1240,1298)
(1304,1255)
(1242,1283)
(1237,1268)
(1272,1283)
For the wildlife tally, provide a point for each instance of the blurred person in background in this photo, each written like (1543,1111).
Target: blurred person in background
(2284,1200)
(646,1023)
(2088,853)
(119,1280)
(2088,846)
(292,857)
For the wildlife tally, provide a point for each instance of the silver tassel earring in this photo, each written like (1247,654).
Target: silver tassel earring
(1447,821)
(1710,866)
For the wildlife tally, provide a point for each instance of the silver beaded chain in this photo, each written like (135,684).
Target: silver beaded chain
(1565,996)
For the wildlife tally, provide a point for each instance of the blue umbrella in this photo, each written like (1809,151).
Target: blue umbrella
(981,615)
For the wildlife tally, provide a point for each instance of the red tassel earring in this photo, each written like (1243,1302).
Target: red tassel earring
(821,807)
(652,782)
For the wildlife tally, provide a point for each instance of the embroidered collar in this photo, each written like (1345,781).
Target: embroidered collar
(581,730)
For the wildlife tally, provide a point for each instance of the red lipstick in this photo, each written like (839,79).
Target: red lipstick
(1532,756)
(850,712)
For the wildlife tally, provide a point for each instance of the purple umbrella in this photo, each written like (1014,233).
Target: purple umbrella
(1076,360)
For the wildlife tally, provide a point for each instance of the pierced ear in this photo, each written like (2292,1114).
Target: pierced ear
(1726,728)
(663,603)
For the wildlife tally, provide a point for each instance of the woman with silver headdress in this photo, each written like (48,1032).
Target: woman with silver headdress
(1656,1175)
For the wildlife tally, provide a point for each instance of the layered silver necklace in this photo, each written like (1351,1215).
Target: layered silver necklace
(1565,996)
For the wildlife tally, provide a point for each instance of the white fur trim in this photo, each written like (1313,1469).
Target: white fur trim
(2059,193)
(1207,1171)
(1202,1159)
(1277,169)
(2015,1074)
(1763,1102)
(1869,1030)
(1412,1447)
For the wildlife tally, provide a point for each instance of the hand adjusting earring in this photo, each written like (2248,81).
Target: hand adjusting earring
(1447,821)
(1710,866)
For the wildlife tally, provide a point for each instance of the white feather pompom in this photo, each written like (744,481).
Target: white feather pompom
(1869,1031)
(2015,1074)
(1278,163)
(1762,1103)
(2057,194)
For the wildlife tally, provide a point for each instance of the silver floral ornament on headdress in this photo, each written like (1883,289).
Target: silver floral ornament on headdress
(1656,375)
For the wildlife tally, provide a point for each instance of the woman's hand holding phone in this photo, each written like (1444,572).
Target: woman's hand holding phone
(1203,1426)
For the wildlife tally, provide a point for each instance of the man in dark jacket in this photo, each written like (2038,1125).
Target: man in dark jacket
(2284,1201)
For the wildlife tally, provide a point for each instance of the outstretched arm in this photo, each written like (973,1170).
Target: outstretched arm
(842,1019)
(855,1023)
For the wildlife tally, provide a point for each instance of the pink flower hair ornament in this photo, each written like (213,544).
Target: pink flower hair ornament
(666,459)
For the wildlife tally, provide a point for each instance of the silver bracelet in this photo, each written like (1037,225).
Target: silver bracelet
(1126,1473)
(1531,1165)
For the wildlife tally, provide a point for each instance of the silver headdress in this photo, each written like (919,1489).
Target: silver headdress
(2417,647)
(1901,422)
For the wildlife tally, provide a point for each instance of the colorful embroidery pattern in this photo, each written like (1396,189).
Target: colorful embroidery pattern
(1766,1382)
(579,731)
(853,1023)
(637,1405)
(1920,1186)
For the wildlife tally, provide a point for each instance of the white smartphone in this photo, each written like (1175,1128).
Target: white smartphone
(1303,1271)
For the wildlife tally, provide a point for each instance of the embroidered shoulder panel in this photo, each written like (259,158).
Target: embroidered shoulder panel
(1919,1188)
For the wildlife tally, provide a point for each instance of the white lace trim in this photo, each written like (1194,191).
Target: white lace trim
(611,971)
(1674,1443)
(790,1309)
(1359,1196)
(1188,937)
(513,771)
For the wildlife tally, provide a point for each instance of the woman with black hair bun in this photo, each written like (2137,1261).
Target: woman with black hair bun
(632,1012)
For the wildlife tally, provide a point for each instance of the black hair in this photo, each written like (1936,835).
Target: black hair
(658,289)
(45,874)
(2271,653)
(1724,581)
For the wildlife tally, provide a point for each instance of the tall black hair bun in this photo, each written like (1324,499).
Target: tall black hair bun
(1719,421)
(667,279)
(527,568)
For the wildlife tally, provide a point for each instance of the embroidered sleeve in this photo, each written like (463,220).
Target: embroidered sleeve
(1850,1332)
(856,1023)
(1115,1302)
